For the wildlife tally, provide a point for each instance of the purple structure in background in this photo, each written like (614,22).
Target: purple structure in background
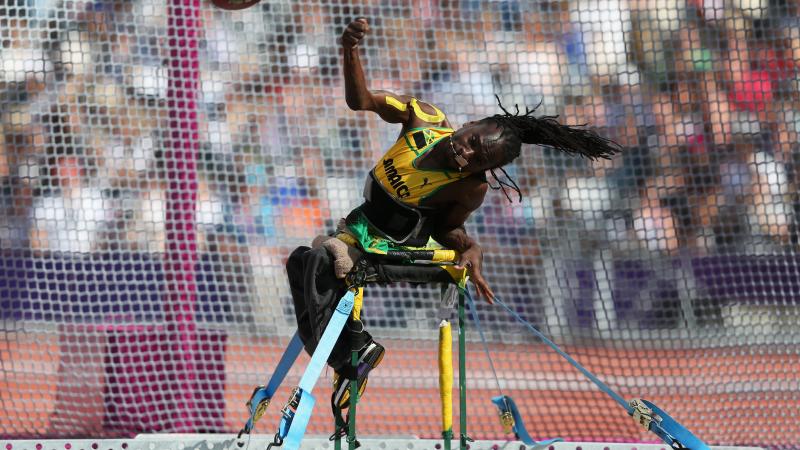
(752,279)
(642,292)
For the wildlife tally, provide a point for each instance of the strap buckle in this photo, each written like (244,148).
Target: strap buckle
(290,408)
(507,421)
(357,277)
(261,406)
(642,414)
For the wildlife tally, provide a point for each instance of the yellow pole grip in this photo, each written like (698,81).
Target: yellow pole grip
(446,374)
(445,255)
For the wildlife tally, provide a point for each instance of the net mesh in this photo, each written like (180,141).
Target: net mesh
(161,159)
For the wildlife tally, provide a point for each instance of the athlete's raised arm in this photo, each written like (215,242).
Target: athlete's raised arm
(391,107)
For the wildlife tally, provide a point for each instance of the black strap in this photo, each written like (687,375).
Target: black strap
(393,219)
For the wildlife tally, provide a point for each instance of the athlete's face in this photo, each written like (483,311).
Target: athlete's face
(476,147)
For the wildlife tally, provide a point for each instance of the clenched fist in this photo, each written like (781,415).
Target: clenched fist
(354,33)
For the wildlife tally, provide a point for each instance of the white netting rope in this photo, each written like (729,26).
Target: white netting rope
(133,262)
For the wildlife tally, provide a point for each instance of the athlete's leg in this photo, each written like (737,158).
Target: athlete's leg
(316,291)
(294,270)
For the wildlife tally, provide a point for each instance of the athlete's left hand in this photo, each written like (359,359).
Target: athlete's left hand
(472,259)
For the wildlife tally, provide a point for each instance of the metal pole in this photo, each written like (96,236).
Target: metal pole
(351,413)
(183,18)
(462,373)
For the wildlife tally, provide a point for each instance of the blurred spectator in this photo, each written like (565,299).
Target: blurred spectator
(603,26)
(653,24)
(704,95)
(729,222)
(771,204)
(655,223)
(72,215)
(532,75)
(298,212)
(147,224)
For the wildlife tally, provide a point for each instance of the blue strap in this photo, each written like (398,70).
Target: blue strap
(296,428)
(603,387)
(287,360)
(504,402)
(293,428)
(325,346)
(265,393)
(670,431)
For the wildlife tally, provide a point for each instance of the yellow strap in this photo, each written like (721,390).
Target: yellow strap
(458,275)
(430,118)
(438,117)
(446,374)
(358,303)
(347,239)
(391,101)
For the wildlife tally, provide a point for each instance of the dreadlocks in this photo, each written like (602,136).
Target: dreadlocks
(545,130)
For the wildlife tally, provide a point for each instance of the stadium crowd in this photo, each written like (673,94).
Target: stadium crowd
(704,95)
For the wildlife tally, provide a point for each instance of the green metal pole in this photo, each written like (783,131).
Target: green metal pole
(351,425)
(462,372)
(337,441)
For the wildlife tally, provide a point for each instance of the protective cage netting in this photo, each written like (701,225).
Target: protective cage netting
(162,158)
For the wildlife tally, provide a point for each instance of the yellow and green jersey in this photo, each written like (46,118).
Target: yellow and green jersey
(397,171)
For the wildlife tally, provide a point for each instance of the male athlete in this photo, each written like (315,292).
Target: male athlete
(425,186)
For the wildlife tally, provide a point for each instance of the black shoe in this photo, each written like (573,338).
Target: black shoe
(368,359)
